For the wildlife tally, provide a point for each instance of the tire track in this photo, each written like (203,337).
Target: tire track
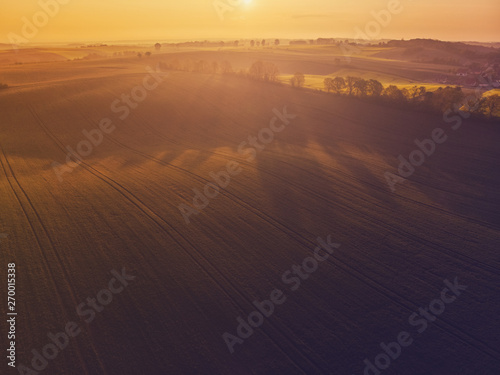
(346,267)
(157,219)
(43,241)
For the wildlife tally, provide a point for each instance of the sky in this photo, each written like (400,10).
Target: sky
(166,20)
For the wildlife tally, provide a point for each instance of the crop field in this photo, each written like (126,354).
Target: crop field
(151,211)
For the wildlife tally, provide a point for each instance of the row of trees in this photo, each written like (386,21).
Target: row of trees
(259,70)
(198,66)
(442,99)
(206,43)
(264,71)
(263,43)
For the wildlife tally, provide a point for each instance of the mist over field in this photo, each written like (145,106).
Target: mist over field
(240,187)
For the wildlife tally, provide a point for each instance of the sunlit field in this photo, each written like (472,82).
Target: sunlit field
(249,204)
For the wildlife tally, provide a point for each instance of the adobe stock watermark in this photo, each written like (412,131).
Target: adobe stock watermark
(222,178)
(427,146)
(373,28)
(223,6)
(40,19)
(420,320)
(121,107)
(293,278)
(87,311)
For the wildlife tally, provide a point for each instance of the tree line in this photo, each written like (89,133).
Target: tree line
(440,100)
(259,70)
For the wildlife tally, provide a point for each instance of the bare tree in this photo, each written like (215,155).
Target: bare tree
(297,80)
(272,72)
(257,70)
(328,83)
(226,67)
(264,71)
(215,67)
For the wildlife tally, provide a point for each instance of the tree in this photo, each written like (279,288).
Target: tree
(271,72)
(257,70)
(328,83)
(215,67)
(414,93)
(252,43)
(263,42)
(147,54)
(405,92)
(157,46)
(204,66)
(276,42)
(360,87)
(393,93)
(3,86)
(297,80)
(349,82)
(139,55)
(490,106)
(264,71)
(446,98)
(226,67)
(374,88)
(236,43)
(338,84)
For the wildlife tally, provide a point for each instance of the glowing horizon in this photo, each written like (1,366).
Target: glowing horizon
(113,20)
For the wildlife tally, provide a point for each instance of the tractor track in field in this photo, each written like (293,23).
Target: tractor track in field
(391,228)
(388,293)
(157,219)
(43,240)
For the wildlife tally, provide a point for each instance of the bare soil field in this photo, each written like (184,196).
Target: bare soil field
(321,175)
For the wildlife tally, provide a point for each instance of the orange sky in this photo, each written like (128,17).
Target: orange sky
(108,20)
